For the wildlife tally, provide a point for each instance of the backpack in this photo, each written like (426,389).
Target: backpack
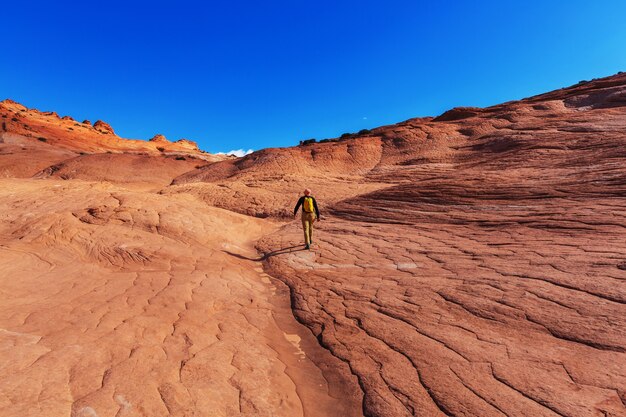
(307,205)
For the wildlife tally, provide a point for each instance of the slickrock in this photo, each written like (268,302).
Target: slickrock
(471,264)
(142,170)
(266,183)
(186,144)
(133,304)
(487,283)
(22,157)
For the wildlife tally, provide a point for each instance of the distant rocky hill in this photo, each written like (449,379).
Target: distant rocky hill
(43,144)
(575,126)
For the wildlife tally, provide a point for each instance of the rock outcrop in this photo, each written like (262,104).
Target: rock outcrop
(37,143)
(129,303)
(159,138)
(103,127)
(471,264)
(487,278)
(66,133)
(187,144)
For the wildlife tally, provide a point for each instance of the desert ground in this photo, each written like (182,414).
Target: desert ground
(470,264)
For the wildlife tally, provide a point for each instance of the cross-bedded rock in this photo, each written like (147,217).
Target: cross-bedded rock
(472,264)
(488,282)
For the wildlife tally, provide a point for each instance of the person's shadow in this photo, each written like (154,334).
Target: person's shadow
(282,251)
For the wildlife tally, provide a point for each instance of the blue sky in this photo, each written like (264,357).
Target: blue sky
(256,74)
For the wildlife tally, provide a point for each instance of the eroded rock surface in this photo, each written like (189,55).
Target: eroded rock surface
(472,264)
(117,302)
(29,126)
(488,283)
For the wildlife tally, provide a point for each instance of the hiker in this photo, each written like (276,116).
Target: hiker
(310,212)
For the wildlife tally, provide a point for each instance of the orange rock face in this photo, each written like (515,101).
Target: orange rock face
(65,133)
(489,277)
(128,302)
(103,127)
(472,264)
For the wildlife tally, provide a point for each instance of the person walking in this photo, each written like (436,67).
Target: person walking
(310,213)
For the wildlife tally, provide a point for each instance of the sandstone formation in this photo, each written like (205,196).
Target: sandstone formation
(266,183)
(27,126)
(129,169)
(471,264)
(489,278)
(159,138)
(103,127)
(22,157)
(126,303)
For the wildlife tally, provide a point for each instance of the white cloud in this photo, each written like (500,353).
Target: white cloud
(237,152)
(364,118)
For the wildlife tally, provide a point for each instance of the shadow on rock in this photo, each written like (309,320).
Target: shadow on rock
(281,251)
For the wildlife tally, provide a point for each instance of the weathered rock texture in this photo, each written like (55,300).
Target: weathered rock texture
(472,264)
(116,302)
(119,301)
(36,140)
(490,279)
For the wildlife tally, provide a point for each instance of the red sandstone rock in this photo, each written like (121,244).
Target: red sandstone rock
(482,276)
(159,138)
(127,302)
(485,280)
(14,104)
(187,144)
(145,171)
(458,113)
(55,139)
(103,127)
(468,265)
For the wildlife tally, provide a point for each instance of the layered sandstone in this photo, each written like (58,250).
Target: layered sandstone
(42,144)
(489,277)
(471,264)
(120,302)
(66,133)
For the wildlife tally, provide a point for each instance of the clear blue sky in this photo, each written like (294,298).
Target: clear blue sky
(255,74)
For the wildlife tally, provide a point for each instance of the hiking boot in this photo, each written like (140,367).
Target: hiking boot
(307,246)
